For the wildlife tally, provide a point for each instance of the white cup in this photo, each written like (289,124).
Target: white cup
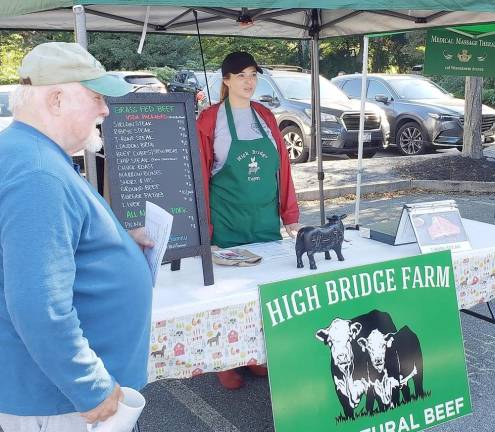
(127,414)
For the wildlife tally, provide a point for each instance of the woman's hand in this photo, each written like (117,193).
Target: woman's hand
(292,229)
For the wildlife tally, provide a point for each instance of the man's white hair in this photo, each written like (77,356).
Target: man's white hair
(21,98)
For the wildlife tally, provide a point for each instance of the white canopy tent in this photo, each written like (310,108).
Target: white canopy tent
(288,19)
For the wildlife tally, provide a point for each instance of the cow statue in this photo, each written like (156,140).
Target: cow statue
(348,364)
(320,239)
(394,359)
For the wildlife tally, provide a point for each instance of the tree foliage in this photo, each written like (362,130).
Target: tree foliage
(14,46)
(163,54)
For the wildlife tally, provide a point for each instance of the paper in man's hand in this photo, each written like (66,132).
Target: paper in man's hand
(158,225)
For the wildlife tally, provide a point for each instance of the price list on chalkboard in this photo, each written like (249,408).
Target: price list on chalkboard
(151,157)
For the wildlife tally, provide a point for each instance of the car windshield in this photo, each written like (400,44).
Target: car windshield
(4,105)
(417,89)
(143,80)
(299,88)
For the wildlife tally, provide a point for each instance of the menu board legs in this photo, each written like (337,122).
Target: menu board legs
(207,269)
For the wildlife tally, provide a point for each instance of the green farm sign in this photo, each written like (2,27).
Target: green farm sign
(376,348)
(456,52)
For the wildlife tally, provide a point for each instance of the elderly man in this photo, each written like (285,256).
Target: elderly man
(75,288)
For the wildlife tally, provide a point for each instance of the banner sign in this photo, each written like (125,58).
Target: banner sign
(450,52)
(376,348)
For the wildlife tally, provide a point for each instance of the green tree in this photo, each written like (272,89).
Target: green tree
(11,54)
(118,51)
(14,46)
(340,55)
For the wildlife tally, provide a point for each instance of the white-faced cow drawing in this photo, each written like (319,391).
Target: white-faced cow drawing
(348,363)
(394,359)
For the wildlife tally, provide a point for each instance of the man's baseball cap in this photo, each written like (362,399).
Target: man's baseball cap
(237,61)
(61,62)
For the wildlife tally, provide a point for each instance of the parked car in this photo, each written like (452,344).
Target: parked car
(5,114)
(193,82)
(287,93)
(422,115)
(142,81)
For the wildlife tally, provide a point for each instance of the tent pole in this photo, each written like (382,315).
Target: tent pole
(316,118)
(82,39)
(361,130)
(202,56)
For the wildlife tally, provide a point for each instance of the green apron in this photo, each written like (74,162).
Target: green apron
(244,193)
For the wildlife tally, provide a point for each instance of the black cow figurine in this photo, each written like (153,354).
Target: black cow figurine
(320,239)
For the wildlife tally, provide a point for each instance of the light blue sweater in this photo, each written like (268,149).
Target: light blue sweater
(75,289)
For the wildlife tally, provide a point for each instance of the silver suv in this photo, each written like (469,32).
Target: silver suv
(287,93)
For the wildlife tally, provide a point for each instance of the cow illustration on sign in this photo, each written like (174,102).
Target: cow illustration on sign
(348,363)
(370,357)
(394,359)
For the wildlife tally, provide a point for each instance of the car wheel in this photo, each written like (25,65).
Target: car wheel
(410,139)
(294,142)
(366,154)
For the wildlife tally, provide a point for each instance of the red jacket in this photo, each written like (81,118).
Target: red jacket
(206,123)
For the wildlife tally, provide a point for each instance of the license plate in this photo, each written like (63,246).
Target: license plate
(366,136)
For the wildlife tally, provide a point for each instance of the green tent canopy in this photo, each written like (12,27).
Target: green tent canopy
(289,19)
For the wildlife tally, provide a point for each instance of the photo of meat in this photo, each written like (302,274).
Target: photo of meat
(444,227)
(441,227)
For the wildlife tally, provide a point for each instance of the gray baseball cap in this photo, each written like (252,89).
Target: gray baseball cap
(61,62)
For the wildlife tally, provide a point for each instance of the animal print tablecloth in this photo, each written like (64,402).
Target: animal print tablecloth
(229,337)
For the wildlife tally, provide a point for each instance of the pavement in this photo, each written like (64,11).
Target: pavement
(200,404)
(378,175)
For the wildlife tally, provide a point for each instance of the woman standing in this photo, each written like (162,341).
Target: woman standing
(246,169)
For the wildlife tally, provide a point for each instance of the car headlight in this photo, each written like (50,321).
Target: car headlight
(325,117)
(444,117)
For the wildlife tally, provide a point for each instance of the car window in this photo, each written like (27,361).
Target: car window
(180,77)
(263,88)
(143,80)
(414,88)
(298,87)
(352,88)
(377,88)
(4,105)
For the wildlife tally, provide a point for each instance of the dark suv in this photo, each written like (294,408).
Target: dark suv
(288,95)
(191,82)
(422,115)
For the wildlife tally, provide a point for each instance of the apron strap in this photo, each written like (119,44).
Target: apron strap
(231,123)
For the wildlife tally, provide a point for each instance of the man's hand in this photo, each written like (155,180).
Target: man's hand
(106,409)
(140,237)
(292,229)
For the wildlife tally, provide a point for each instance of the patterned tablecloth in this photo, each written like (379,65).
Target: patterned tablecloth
(212,339)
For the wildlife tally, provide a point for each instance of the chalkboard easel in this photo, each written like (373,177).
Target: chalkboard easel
(153,155)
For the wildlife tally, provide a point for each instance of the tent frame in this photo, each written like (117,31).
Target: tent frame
(313,29)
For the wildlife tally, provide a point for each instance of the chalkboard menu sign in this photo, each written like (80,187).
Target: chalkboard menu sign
(152,154)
